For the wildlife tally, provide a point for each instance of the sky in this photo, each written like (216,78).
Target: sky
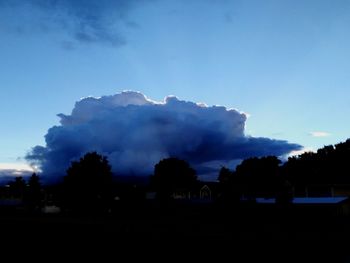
(282,63)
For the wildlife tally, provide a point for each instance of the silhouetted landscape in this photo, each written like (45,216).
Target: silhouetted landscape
(171,129)
(303,199)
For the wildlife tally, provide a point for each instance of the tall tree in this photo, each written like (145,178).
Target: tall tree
(87,185)
(261,178)
(171,174)
(18,187)
(230,187)
(224,176)
(33,195)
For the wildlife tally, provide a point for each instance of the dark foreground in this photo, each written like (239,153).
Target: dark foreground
(254,233)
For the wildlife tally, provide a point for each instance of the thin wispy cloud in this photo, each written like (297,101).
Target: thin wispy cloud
(319,134)
(83,21)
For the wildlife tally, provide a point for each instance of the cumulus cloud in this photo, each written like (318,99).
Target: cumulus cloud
(87,21)
(135,132)
(319,134)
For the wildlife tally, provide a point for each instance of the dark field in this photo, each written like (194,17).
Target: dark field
(195,222)
(185,227)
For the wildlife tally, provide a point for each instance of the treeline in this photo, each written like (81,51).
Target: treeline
(329,165)
(90,186)
(28,192)
(268,177)
(255,177)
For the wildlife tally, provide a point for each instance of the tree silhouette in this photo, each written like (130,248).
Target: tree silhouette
(171,174)
(260,177)
(33,193)
(224,176)
(87,185)
(18,187)
(328,166)
(230,187)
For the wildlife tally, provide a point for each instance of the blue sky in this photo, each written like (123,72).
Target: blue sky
(285,63)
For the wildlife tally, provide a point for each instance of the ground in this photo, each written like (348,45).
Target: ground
(241,229)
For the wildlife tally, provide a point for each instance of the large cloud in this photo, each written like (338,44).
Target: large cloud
(85,21)
(135,133)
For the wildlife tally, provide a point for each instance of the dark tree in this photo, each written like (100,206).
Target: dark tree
(87,185)
(260,177)
(230,190)
(224,176)
(319,170)
(18,187)
(171,174)
(33,193)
